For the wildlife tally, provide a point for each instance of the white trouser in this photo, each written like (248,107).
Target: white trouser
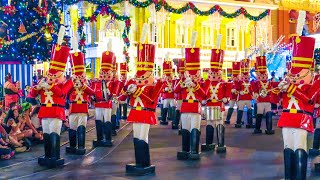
(318,122)
(77,119)
(263,107)
(168,102)
(179,103)
(123,102)
(294,138)
(232,103)
(191,121)
(141,131)
(103,114)
(214,115)
(114,108)
(243,103)
(50,125)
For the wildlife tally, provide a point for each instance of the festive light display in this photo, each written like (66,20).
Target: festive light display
(22,30)
(106,10)
(317,55)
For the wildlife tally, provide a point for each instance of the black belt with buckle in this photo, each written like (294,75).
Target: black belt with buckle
(144,109)
(189,101)
(298,111)
(80,101)
(58,105)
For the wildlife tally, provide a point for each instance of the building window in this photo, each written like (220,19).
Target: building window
(207,37)
(182,32)
(231,37)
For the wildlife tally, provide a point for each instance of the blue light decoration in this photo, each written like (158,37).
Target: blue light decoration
(22,30)
(276,62)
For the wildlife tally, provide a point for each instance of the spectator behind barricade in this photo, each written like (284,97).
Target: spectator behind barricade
(9,139)
(26,112)
(11,91)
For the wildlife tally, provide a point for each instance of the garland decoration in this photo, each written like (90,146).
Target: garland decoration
(181,10)
(104,10)
(317,55)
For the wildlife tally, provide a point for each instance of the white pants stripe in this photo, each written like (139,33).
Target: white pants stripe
(190,121)
(141,131)
(103,114)
(294,138)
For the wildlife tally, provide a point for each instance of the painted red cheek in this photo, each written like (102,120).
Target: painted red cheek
(302,82)
(146,81)
(56,80)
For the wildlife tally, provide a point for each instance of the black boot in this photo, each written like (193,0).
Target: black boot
(239,118)
(99,129)
(114,124)
(164,116)
(209,146)
(107,132)
(314,151)
(161,111)
(142,166)
(118,119)
(301,158)
(184,154)
(169,117)
(55,159)
(289,164)
(249,119)
(173,114)
(194,144)
(81,135)
(175,123)
(125,111)
(220,137)
(269,123)
(229,114)
(120,110)
(257,130)
(42,161)
(72,141)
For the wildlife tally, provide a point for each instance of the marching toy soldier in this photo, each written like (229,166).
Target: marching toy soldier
(262,88)
(53,90)
(106,90)
(234,92)
(115,103)
(215,97)
(245,96)
(192,94)
(298,105)
(79,98)
(143,100)
(168,101)
(178,97)
(123,106)
(314,151)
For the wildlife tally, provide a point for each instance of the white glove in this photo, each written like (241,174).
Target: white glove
(132,88)
(255,95)
(241,92)
(224,100)
(317,105)
(233,91)
(166,89)
(283,85)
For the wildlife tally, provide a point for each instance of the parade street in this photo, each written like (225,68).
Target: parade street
(248,157)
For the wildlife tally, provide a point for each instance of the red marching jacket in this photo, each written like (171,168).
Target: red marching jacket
(246,88)
(215,93)
(177,95)
(275,94)
(234,95)
(53,101)
(258,86)
(168,94)
(79,99)
(144,103)
(104,98)
(192,97)
(298,106)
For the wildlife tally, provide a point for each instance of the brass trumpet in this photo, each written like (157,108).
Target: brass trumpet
(264,93)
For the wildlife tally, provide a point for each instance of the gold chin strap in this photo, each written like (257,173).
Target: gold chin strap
(142,79)
(292,76)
